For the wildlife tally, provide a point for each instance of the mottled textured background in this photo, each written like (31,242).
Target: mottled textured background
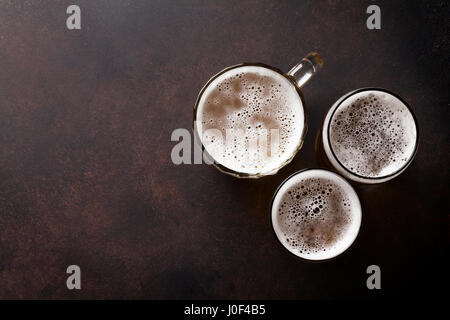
(85,172)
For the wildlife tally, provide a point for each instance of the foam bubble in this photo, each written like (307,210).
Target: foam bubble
(373,134)
(316,214)
(250,119)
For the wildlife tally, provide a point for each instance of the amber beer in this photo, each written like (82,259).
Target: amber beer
(250,118)
(369,136)
(316,214)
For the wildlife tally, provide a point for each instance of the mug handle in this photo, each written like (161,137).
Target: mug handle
(305,69)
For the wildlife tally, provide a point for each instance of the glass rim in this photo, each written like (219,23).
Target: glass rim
(416,144)
(245,175)
(314,261)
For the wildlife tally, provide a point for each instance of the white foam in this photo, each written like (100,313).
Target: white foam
(262,112)
(288,225)
(373,134)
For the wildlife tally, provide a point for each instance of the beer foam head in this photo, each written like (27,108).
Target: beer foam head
(250,119)
(316,214)
(373,134)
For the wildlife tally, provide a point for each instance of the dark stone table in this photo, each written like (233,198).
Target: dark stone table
(86,176)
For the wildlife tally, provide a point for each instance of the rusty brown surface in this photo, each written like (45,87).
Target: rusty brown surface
(85,171)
